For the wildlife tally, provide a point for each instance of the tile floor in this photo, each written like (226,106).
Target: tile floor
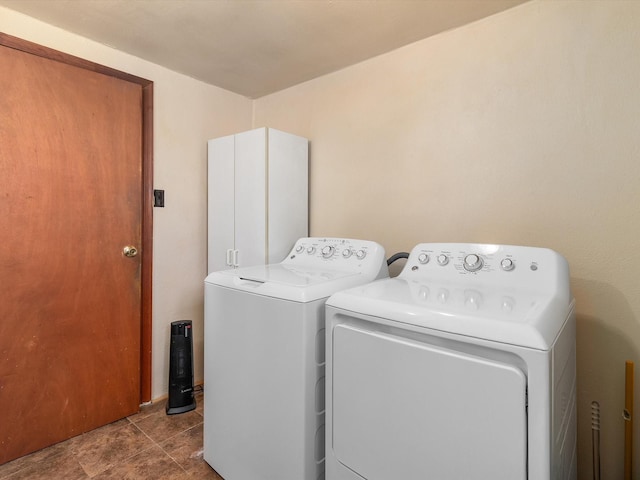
(147,445)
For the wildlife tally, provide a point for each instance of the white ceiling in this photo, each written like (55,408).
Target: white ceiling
(257,47)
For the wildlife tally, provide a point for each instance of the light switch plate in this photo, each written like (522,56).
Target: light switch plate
(158,198)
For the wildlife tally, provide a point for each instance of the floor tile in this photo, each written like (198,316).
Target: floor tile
(160,426)
(53,462)
(204,472)
(149,445)
(106,446)
(148,410)
(39,457)
(186,447)
(152,463)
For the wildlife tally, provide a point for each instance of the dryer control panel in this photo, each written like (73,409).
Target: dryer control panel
(515,266)
(339,254)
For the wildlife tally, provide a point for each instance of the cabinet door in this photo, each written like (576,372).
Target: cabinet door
(288,192)
(220,201)
(250,197)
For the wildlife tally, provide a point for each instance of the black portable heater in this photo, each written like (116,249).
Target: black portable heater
(181,398)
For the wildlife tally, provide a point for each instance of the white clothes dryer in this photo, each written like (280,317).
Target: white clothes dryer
(462,367)
(264,362)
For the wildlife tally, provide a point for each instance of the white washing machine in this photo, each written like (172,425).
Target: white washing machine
(461,368)
(264,361)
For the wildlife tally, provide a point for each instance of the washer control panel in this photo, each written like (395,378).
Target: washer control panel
(505,264)
(337,253)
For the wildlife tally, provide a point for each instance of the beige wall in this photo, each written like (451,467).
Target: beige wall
(523,128)
(186,113)
(518,129)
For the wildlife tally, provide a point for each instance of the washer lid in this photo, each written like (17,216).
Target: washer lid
(526,318)
(287,282)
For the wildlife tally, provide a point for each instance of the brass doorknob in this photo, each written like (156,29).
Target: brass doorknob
(130,251)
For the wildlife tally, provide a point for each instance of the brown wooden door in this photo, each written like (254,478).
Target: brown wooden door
(70,201)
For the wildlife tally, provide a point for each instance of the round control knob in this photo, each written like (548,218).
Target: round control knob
(311,250)
(472,262)
(443,259)
(347,253)
(507,264)
(299,248)
(361,254)
(327,251)
(423,258)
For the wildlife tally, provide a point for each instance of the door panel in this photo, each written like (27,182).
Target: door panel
(221,225)
(71,172)
(406,409)
(250,197)
(288,209)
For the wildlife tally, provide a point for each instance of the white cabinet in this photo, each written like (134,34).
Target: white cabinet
(257,197)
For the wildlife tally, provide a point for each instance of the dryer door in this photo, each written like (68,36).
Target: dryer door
(409,410)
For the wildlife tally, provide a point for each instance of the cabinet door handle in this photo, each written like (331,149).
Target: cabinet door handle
(230,258)
(235,258)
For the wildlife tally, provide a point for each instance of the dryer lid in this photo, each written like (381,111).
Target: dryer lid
(529,319)
(502,293)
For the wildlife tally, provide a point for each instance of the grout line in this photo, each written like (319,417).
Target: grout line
(169,455)
(124,460)
(145,434)
(174,460)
